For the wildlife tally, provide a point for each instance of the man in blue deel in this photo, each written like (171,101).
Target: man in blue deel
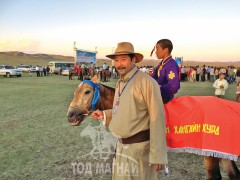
(167,72)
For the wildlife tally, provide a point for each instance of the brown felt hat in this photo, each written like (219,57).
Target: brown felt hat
(126,48)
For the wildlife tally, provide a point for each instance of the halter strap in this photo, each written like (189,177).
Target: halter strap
(96,95)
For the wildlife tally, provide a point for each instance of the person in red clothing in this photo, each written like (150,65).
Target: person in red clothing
(75,67)
(79,71)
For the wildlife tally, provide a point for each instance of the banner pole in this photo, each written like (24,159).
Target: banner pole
(96,55)
(75,52)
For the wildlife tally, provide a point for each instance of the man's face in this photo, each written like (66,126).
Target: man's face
(124,64)
(160,52)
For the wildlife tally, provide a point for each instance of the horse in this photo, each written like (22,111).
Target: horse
(85,73)
(72,73)
(92,72)
(105,75)
(80,107)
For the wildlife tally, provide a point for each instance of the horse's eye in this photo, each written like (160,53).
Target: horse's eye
(87,92)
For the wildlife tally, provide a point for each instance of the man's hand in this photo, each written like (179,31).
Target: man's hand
(97,115)
(158,167)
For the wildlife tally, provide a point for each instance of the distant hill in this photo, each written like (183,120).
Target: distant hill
(15,57)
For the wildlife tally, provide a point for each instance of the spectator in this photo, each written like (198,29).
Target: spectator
(44,71)
(75,67)
(192,75)
(48,70)
(211,71)
(216,73)
(223,70)
(238,92)
(38,71)
(198,73)
(92,66)
(203,73)
(104,66)
(79,72)
(235,73)
(220,86)
(83,65)
(114,73)
(41,70)
(60,70)
(183,77)
(144,69)
(238,75)
(208,73)
(231,75)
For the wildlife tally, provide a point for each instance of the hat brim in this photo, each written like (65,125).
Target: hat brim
(139,57)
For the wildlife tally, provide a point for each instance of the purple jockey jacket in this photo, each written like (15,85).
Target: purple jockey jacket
(168,79)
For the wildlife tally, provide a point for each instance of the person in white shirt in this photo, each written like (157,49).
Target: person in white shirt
(38,71)
(144,69)
(211,71)
(220,86)
(104,66)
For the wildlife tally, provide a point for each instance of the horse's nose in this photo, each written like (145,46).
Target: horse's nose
(71,116)
(74,114)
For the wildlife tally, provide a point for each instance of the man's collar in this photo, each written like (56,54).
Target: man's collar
(129,75)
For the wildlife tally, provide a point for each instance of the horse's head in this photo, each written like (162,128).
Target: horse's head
(82,101)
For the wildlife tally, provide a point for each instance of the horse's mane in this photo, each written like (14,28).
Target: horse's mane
(108,87)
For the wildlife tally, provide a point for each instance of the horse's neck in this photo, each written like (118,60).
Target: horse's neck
(106,97)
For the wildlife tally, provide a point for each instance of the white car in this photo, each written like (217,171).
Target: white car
(24,68)
(65,71)
(8,71)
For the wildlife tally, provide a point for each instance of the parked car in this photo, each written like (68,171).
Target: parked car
(8,71)
(33,68)
(24,68)
(65,71)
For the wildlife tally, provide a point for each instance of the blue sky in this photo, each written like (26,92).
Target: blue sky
(200,30)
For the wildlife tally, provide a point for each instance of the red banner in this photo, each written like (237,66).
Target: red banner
(203,125)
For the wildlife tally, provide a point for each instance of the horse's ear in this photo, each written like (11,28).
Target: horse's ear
(95,79)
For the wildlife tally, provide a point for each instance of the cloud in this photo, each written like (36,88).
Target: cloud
(24,45)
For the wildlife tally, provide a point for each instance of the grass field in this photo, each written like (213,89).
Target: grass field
(37,142)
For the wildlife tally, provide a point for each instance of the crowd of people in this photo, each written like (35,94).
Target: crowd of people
(209,73)
(147,69)
(86,68)
(221,77)
(42,71)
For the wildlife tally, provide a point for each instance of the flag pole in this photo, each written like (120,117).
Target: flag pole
(75,52)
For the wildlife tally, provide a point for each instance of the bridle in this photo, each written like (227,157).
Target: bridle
(95,102)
